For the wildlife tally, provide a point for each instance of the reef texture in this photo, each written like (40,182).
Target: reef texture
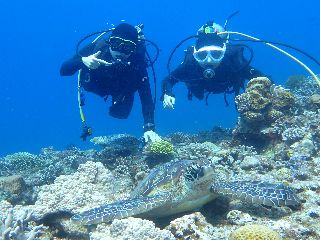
(130,229)
(276,139)
(254,231)
(17,223)
(92,185)
(262,104)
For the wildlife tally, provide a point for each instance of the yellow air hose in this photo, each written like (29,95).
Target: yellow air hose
(279,49)
(79,99)
(79,87)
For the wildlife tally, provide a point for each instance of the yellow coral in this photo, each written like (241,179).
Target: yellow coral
(253,117)
(274,114)
(283,174)
(161,147)
(254,232)
(258,100)
(259,83)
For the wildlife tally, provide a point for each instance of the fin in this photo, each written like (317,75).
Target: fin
(258,192)
(120,209)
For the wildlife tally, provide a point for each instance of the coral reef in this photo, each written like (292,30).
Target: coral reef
(314,101)
(130,165)
(17,226)
(197,151)
(92,185)
(216,135)
(260,106)
(22,161)
(13,184)
(238,217)
(117,145)
(130,229)
(161,147)
(158,152)
(180,138)
(13,188)
(276,139)
(303,87)
(254,231)
(191,226)
(45,167)
(296,82)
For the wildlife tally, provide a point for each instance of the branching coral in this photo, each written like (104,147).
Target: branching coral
(22,161)
(12,227)
(303,87)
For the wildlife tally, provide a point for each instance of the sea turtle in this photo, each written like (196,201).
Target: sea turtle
(185,185)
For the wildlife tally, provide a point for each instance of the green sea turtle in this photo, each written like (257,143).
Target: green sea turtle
(185,185)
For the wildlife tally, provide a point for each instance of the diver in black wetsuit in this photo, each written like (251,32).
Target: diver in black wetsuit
(212,66)
(116,66)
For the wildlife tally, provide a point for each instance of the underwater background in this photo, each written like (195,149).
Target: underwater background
(39,108)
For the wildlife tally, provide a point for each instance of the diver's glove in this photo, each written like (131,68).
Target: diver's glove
(151,136)
(92,62)
(168,101)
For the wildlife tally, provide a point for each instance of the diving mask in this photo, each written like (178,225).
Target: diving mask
(121,45)
(209,55)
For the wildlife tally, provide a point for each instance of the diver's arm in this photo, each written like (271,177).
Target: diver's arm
(169,81)
(167,86)
(71,66)
(147,104)
(74,64)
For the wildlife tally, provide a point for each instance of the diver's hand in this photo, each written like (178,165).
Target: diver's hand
(92,62)
(168,101)
(151,136)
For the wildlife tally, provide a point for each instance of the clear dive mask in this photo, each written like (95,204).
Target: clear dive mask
(122,45)
(209,55)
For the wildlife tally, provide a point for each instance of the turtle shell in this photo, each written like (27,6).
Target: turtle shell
(162,178)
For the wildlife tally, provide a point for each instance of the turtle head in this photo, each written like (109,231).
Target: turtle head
(199,171)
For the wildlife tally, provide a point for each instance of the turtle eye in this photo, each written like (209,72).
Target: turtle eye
(194,172)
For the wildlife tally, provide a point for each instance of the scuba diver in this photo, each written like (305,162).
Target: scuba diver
(213,65)
(116,66)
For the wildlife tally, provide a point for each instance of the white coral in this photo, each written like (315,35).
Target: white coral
(16,226)
(130,229)
(194,226)
(92,185)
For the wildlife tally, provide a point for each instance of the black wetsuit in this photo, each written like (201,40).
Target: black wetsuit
(120,80)
(228,77)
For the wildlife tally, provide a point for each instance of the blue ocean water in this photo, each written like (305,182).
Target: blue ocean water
(39,108)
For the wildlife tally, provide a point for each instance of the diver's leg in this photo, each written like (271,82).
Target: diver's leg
(121,106)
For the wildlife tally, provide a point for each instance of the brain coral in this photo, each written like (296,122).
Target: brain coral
(254,232)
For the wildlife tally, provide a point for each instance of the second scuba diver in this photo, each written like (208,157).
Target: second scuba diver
(212,66)
(116,66)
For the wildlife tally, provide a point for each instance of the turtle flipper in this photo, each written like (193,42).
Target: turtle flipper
(120,209)
(258,192)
